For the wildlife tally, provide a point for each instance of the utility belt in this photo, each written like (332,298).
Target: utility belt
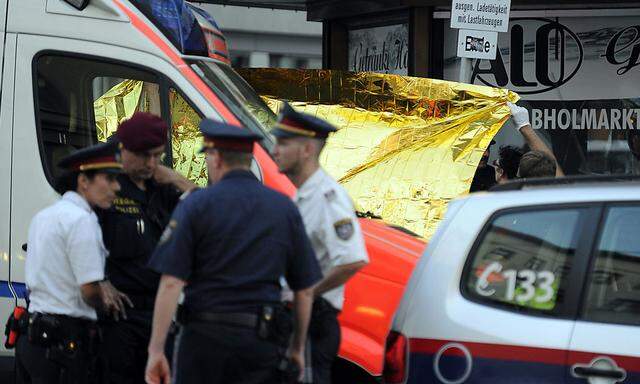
(69,333)
(271,322)
(322,306)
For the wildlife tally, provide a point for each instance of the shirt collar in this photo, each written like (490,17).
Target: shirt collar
(75,198)
(310,185)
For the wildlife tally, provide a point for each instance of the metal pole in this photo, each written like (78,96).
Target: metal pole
(464,75)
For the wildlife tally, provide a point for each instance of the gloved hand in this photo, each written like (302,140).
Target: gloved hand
(520,115)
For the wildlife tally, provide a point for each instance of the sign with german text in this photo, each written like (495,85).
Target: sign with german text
(477,44)
(481,15)
(380,49)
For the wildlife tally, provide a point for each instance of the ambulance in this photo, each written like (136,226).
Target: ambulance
(59,56)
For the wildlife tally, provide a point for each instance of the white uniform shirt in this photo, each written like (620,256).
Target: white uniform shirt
(332,226)
(64,251)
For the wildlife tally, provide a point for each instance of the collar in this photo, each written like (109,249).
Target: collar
(239,174)
(75,198)
(310,185)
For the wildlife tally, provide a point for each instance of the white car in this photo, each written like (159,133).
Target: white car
(537,284)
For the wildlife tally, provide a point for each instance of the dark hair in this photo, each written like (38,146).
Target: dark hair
(235,159)
(537,164)
(509,158)
(68,180)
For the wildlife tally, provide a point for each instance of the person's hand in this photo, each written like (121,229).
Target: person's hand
(113,300)
(164,175)
(297,357)
(157,371)
(520,115)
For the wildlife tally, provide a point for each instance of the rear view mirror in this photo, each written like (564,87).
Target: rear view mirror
(78,4)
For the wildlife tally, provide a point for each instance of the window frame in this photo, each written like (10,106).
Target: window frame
(164,82)
(581,261)
(586,283)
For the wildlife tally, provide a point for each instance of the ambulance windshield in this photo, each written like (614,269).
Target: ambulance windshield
(243,101)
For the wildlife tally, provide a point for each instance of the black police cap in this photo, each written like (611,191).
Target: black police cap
(103,157)
(228,137)
(292,123)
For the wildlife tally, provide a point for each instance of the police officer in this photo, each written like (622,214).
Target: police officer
(63,269)
(330,222)
(131,228)
(230,243)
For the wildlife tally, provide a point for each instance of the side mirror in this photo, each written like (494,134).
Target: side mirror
(78,4)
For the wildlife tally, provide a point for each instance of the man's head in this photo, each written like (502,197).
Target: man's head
(227,148)
(536,164)
(300,139)
(143,138)
(506,166)
(292,154)
(91,172)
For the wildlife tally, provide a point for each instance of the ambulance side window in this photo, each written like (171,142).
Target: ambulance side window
(186,139)
(80,101)
(613,293)
(523,260)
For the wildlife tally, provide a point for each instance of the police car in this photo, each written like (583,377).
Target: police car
(538,283)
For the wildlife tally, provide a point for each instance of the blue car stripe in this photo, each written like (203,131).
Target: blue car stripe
(19,288)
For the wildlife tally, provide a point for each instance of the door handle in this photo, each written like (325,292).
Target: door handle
(598,372)
(601,367)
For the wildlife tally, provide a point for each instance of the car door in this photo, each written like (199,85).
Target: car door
(69,98)
(605,347)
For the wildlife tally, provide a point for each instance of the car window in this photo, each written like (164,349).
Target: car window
(523,259)
(613,293)
(81,100)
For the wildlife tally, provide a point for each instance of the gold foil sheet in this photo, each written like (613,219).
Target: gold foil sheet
(405,146)
(129,96)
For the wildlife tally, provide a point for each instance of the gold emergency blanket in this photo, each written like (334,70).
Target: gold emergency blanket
(405,146)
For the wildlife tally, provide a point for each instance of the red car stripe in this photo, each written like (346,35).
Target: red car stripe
(520,353)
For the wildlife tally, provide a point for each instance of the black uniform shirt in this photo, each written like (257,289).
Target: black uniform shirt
(232,242)
(131,229)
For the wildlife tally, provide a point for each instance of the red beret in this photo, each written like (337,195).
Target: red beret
(143,131)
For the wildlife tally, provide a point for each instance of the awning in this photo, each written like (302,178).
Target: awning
(297,5)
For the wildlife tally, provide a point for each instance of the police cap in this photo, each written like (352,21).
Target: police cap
(228,137)
(142,132)
(295,124)
(103,157)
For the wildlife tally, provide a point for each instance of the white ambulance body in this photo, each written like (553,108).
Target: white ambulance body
(57,61)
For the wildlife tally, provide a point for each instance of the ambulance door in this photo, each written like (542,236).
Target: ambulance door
(72,94)
(6,117)
(605,343)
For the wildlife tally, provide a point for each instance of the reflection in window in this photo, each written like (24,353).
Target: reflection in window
(186,140)
(614,286)
(524,258)
(116,99)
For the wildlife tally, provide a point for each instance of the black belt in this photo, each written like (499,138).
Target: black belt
(238,319)
(142,302)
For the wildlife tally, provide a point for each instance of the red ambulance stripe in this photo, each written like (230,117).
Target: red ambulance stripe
(492,351)
(194,79)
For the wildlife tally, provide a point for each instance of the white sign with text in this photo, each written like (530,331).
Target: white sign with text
(481,15)
(477,44)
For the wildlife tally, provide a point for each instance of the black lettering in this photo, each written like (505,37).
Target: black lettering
(612,50)
(496,69)
(517,58)
(542,54)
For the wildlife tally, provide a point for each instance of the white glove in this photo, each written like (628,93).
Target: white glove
(520,115)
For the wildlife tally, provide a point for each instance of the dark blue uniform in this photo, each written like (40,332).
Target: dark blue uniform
(231,243)
(131,229)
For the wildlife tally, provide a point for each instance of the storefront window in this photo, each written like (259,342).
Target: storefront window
(578,76)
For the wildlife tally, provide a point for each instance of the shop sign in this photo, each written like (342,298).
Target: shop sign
(477,44)
(481,15)
(380,49)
